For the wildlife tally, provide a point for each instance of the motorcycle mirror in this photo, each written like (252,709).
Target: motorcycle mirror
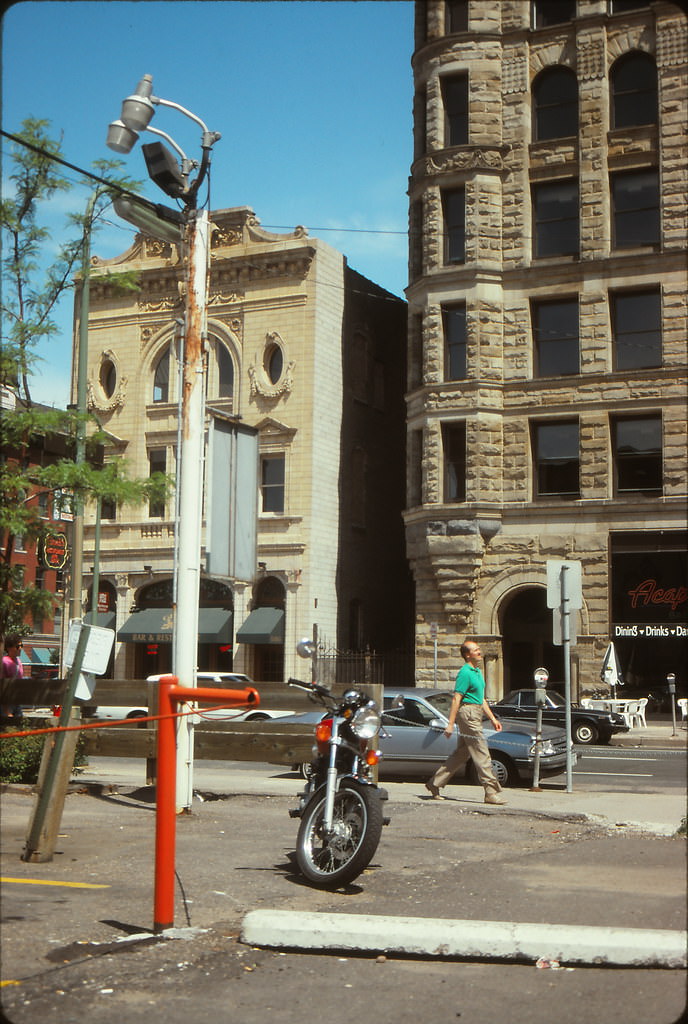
(306,647)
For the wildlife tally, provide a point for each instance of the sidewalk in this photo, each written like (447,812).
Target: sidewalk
(658,813)
(658,735)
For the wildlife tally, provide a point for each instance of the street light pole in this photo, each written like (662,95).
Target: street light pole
(173,179)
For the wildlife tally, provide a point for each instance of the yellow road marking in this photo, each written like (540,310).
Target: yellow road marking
(42,881)
(3,983)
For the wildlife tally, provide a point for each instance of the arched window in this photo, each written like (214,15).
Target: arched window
(161,378)
(555,104)
(633,80)
(225,372)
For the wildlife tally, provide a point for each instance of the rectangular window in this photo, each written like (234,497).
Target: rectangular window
(454,222)
(44,504)
(272,483)
(454,448)
(157,463)
(635,209)
(108,508)
(420,124)
(637,448)
(556,449)
(455,99)
(552,12)
(555,219)
(415,482)
(455,16)
(637,329)
(454,328)
(416,239)
(555,338)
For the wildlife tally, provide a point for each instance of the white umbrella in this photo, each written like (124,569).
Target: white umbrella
(611,670)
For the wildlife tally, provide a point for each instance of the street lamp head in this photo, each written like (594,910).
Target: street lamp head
(120,138)
(138,109)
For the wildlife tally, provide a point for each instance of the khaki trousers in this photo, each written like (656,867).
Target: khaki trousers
(472,743)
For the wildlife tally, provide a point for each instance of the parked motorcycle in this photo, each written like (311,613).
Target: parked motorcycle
(341,807)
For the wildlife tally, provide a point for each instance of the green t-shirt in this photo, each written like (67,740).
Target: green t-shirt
(471,684)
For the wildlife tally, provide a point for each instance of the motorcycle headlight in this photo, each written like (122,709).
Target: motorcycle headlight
(366,722)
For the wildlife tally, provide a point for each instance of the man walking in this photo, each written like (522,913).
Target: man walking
(469,706)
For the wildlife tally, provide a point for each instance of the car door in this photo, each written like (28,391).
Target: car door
(412,743)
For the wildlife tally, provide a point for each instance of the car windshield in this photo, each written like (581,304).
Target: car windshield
(555,700)
(441,701)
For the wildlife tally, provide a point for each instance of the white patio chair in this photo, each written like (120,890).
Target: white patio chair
(631,716)
(640,713)
(683,705)
(585,702)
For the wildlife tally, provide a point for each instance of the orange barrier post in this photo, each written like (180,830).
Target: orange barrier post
(165,810)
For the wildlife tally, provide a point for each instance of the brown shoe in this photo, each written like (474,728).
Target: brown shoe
(494,798)
(433,791)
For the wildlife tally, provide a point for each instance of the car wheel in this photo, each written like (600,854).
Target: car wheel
(138,714)
(258,718)
(585,732)
(305,770)
(503,768)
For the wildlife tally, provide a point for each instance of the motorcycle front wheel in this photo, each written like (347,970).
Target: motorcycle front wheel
(330,861)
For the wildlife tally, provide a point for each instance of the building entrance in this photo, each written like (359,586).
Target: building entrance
(526,627)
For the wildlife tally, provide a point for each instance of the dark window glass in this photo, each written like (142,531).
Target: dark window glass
(634,91)
(157,463)
(272,483)
(108,509)
(555,213)
(557,458)
(454,326)
(108,377)
(454,214)
(274,362)
(416,239)
(555,97)
(635,202)
(637,329)
(455,98)
(552,12)
(225,371)
(454,446)
(555,338)
(637,442)
(455,16)
(161,379)
(621,6)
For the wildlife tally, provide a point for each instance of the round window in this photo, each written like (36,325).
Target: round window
(274,361)
(108,377)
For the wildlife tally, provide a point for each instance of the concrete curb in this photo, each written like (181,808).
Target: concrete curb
(579,945)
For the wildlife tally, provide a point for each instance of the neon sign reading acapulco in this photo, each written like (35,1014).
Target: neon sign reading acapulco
(648,593)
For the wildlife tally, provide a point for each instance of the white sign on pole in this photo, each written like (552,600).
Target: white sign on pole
(557,630)
(574,583)
(98,647)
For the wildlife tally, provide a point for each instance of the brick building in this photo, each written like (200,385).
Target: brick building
(312,356)
(547,334)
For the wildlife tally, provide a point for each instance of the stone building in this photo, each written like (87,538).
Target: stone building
(311,355)
(547,335)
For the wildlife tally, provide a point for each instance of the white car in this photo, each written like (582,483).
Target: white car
(221,680)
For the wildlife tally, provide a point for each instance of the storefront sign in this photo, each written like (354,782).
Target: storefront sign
(54,551)
(648,631)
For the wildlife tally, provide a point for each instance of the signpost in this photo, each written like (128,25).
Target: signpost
(564,596)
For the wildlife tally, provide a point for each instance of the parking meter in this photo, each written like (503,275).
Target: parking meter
(671,681)
(541,676)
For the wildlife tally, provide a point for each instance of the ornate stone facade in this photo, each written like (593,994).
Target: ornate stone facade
(480,528)
(284,315)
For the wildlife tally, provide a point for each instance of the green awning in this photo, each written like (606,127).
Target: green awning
(154,626)
(41,656)
(106,620)
(263,626)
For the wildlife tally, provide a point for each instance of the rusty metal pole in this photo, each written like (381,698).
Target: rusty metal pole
(190,481)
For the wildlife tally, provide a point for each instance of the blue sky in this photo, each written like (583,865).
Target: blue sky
(313,101)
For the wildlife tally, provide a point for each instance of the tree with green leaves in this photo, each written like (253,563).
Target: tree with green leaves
(30,293)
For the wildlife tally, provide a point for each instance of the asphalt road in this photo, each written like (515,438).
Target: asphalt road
(70,950)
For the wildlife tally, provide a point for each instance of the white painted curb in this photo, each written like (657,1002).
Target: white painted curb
(480,940)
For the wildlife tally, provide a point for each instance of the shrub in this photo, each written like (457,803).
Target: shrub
(20,757)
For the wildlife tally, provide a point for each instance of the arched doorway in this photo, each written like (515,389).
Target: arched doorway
(526,628)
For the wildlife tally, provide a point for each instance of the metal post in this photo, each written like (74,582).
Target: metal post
(671,682)
(190,484)
(165,825)
(566,640)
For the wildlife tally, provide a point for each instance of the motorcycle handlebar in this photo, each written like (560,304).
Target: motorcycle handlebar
(309,687)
